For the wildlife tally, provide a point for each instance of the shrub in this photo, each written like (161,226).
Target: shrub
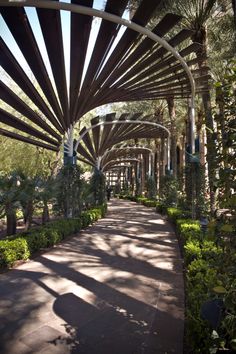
(13,250)
(22,246)
(201,279)
(192,251)
(206,250)
(188,229)
(174,214)
(141,200)
(161,208)
(150,203)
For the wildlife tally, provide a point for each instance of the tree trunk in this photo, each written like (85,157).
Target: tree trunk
(45,214)
(11,220)
(173,145)
(234,9)
(29,214)
(201,38)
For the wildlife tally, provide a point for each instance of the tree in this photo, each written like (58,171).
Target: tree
(9,199)
(68,191)
(97,185)
(198,15)
(226,159)
(173,139)
(28,196)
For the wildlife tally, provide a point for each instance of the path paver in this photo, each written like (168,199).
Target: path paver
(115,288)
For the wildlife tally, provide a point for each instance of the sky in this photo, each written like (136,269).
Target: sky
(65,17)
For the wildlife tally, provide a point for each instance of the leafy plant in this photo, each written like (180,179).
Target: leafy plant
(169,190)
(23,245)
(97,187)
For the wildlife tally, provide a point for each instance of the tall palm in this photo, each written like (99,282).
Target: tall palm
(198,15)
(171,109)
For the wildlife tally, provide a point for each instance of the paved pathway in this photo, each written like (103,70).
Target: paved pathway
(115,288)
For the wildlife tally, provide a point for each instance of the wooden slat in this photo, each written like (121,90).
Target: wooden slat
(50,22)
(142,15)
(167,23)
(19,26)
(88,143)
(14,101)
(15,122)
(12,67)
(25,139)
(80,31)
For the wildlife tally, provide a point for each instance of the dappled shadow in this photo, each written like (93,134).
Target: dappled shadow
(117,287)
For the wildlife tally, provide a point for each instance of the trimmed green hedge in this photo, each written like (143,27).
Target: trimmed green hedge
(150,203)
(176,213)
(161,208)
(210,274)
(23,245)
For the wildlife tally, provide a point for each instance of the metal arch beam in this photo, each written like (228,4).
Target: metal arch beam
(116,19)
(125,148)
(119,161)
(126,122)
(120,122)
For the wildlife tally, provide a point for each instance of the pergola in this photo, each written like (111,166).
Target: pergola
(95,143)
(140,62)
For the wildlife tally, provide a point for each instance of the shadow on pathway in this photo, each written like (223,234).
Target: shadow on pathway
(115,288)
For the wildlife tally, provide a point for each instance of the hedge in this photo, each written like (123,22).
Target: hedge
(23,245)
(210,277)
(151,203)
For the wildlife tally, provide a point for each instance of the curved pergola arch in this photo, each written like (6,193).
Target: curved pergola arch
(94,144)
(124,150)
(116,162)
(146,78)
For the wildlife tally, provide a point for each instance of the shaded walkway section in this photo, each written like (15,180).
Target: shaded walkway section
(115,288)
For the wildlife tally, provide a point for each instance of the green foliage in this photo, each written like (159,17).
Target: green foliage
(200,279)
(161,208)
(226,130)
(174,214)
(141,200)
(25,158)
(9,199)
(210,274)
(24,245)
(68,191)
(97,187)
(13,250)
(151,188)
(206,250)
(150,203)
(188,229)
(169,190)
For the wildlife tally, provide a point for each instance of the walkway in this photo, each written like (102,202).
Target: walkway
(116,288)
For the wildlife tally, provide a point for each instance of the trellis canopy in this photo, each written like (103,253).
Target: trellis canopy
(122,65)
(95,143)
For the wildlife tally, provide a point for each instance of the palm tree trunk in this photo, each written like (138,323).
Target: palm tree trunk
(201,38)
(45,214)
(234,9)
(171,109)
(11,220)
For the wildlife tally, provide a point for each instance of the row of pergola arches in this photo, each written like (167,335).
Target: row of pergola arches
(141,62)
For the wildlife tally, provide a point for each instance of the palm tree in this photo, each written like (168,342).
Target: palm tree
(9,200)
(171,109)
(198,15)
